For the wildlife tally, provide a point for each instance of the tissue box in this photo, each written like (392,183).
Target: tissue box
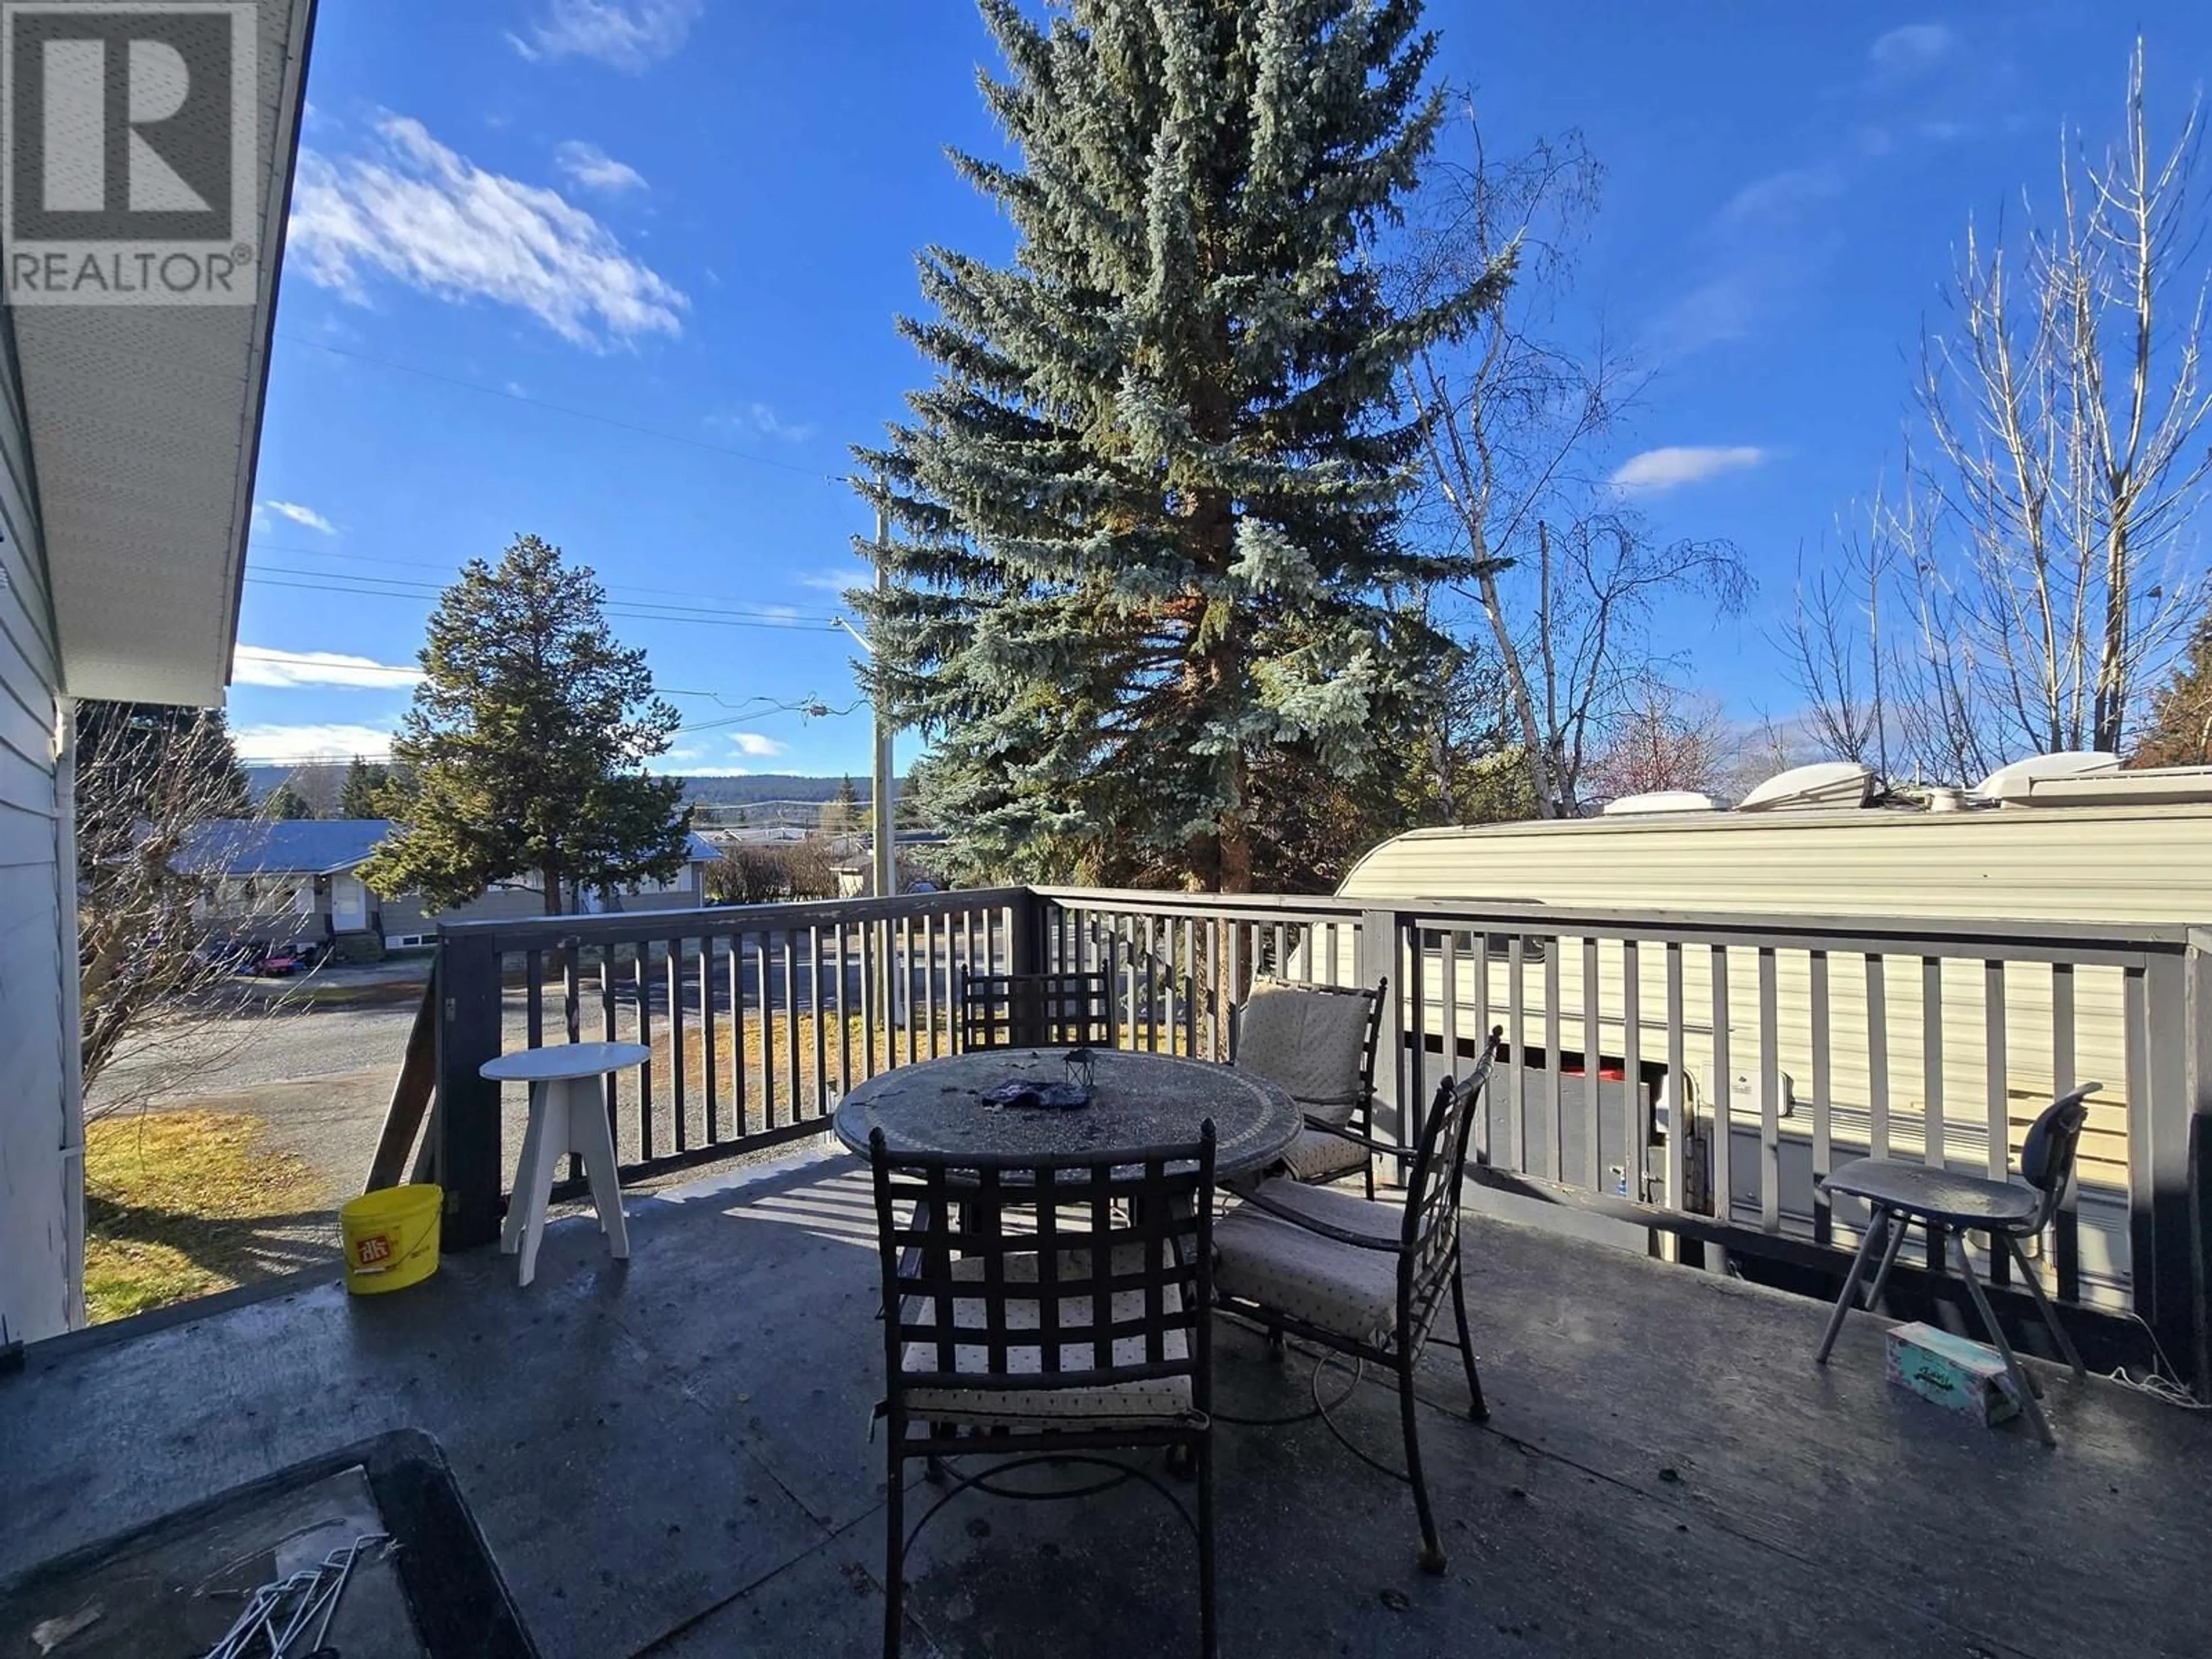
(1954,1372)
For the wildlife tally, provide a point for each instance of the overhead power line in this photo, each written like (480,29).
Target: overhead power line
(754,708)
(391,589)
(398,584)
(614,590)
(563,409)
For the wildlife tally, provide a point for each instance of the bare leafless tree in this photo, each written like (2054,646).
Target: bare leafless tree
(775,873)
(810,868)
(1665,738)
(1834,646)
(2037,567)
(318,783)
(154,979)
(747,875)
(2066,404)
(1567,573)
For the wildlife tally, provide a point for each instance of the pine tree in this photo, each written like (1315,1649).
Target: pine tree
(1146,518)
(524,752)
(840,813)
(2180,732)
(284,802)
(365,781)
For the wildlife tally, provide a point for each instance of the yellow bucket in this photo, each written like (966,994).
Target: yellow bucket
(392,1237)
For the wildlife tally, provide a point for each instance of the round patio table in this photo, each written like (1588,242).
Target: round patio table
(1139,1102)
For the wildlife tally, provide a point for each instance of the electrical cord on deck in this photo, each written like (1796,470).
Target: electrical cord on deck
(2164,1383)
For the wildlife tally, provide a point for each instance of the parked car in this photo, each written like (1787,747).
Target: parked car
(232,956)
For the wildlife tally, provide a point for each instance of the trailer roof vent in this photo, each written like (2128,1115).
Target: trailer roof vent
(2016,785)
(1829,784)
(2154,785)
(1663,800)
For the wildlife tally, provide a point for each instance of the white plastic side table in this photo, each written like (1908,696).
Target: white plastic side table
(568,1114)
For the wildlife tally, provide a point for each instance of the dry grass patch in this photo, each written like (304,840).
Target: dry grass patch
(786,1034)
(798,1031)
(184,1204)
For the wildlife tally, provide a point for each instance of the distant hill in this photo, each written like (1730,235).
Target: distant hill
(745,789)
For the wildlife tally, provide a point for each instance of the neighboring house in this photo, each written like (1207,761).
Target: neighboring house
(128,435)
(726,837)
(285,880)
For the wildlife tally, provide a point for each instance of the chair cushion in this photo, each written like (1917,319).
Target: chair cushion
(1370,1218)
(1318,1155)
(1313,1044)
(1151,1401)
(1943,1195)
(1340,1288)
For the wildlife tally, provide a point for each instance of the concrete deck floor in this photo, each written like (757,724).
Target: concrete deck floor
(672,1459)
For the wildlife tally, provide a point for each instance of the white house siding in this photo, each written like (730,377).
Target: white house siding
(41,1213)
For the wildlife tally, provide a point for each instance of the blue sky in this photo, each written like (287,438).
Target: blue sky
(623,273)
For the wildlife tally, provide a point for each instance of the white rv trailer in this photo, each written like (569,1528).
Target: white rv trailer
(2065,840)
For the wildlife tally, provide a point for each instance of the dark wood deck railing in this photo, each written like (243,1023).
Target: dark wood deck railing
(1675,1079)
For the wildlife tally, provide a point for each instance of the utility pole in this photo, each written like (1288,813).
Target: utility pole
(886,871)
(884,863)
(884,866)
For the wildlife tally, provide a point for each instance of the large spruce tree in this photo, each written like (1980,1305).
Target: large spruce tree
(1145,522)
(524,751)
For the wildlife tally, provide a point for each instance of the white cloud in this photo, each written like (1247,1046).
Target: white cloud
(264,745)
(262,665)
(762,419)
(768,423)
(298,515)
(755,745)
(838,579)
(1910,49)
(629,34)
(595,169)
(1676,464)
(1720,308)
(421,214)
(1777,195)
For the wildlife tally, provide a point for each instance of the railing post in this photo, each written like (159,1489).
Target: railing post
(2197,1155)
(2166,1081)
(1026,942)
(467,1120)
(1378,959)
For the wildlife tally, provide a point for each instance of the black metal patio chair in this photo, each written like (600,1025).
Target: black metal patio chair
(1363,1278)
(1036,1011)
(1085,1328)
(1951,1205)
(1319,1043)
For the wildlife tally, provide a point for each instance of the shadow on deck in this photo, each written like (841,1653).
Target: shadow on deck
(672,1458)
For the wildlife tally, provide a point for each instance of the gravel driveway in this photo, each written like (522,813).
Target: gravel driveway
(321,1077)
